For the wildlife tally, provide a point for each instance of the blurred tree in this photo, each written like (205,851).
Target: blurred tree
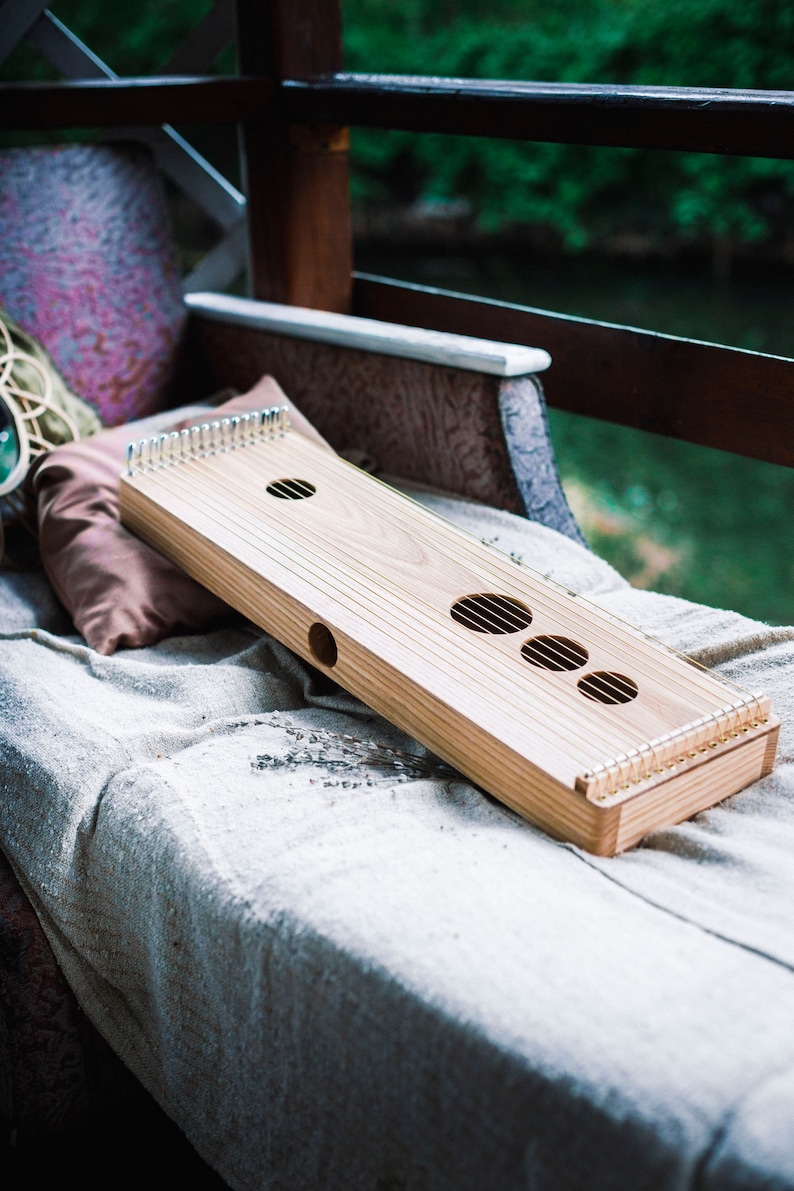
(581,194)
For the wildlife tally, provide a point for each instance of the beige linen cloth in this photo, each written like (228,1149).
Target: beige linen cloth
(342,967)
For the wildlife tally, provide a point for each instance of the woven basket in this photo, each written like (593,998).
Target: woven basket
(37,413)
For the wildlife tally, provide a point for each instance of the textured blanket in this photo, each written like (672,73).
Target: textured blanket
(337,965)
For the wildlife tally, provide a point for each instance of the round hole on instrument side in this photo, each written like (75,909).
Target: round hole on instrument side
(554,653)
(291,489)
(491,613)
(323,645)
(604,686)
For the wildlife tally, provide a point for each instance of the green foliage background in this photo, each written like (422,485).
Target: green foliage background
(727,520)
(582,194)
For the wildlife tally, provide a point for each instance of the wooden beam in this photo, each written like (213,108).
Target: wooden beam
(754,123)
(113,103)
(705,120)
(296,172)
(173,154)
(722,397)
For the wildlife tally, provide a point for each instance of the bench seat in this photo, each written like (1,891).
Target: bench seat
(338,967)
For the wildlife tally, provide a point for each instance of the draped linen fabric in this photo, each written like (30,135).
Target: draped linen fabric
(336,964)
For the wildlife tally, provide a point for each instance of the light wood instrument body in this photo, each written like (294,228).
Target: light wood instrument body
(579,722)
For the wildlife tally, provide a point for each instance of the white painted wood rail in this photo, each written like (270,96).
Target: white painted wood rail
(365,334)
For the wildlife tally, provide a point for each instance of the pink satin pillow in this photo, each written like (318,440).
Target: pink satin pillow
(119,591)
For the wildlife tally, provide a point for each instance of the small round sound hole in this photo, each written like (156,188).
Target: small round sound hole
(554,653)
(291,489)
(606,687)
(322,644)
(488,613)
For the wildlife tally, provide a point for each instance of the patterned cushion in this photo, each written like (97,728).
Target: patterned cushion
(87,267)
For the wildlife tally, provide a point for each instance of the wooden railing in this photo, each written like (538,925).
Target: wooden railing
(694,119)
(294,106)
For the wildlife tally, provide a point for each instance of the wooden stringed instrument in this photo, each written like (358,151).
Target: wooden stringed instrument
(581,723)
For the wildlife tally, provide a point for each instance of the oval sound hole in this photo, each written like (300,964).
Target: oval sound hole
(291,489)
(554,653)
(605,687)
(490,613)
(322,644)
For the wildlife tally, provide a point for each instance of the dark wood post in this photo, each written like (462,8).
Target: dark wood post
(295,175)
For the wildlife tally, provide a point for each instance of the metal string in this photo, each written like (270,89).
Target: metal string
(618,688)
(464,546)
(226,523)
(604,681)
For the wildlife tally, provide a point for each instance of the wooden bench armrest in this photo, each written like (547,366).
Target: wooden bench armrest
(366,334)
(463,414)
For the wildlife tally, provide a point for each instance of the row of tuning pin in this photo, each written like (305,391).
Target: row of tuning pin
(208,438)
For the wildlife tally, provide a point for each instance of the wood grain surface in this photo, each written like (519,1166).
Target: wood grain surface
(370,587)
(296,172)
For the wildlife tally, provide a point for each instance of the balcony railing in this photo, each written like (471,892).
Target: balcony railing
(294,106)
